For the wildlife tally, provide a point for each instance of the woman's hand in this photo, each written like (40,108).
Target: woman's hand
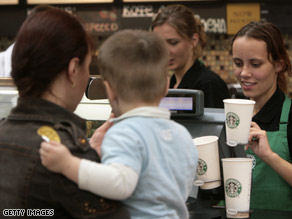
(97,137)
(258,142)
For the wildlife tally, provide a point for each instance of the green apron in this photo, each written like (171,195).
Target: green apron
(269,190)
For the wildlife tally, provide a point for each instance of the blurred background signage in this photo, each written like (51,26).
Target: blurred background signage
(68,1)
(100,21)
(170,0)
(8,2)
(140,16)
(238,15)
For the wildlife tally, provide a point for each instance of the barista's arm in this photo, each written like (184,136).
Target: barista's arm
(262,149)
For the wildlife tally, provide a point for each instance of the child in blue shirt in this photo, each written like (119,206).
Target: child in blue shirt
(148,160)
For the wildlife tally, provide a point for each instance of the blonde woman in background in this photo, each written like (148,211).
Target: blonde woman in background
(185,38)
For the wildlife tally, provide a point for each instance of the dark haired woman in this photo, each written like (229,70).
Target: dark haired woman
(50,68)
(261,65)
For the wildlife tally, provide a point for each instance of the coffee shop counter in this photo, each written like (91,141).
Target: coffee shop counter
(203,209)
(211,123)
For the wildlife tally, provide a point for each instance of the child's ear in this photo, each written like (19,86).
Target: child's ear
(111,94)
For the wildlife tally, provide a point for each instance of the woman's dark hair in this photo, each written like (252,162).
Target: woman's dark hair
(46,42)
(271,35)
(183,20)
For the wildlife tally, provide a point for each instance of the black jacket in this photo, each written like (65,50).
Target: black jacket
(26,184)
(199,77)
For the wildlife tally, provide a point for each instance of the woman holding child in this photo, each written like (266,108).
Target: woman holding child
(50,68)
(148,160)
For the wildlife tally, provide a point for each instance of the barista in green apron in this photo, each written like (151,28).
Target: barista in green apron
(269,189)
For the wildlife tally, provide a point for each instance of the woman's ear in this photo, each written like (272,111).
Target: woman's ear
(195,39)
(279,66)
(72,72)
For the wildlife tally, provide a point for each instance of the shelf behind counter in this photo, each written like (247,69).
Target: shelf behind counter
(87,109)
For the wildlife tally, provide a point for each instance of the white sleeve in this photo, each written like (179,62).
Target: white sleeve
(5,62)
(114,181)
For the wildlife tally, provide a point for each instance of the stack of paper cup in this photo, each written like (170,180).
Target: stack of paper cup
(237,186)
(208,171)
(238,114)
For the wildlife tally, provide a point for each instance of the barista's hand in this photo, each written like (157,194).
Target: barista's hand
(258,142)
(55,156)
(97,137)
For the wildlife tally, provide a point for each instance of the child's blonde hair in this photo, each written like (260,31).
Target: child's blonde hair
(134,62)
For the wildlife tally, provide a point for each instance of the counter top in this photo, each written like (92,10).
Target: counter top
(203,209)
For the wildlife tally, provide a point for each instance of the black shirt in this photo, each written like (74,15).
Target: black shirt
(199,77)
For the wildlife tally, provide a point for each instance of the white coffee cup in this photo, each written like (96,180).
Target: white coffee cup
(237,173)
(208,170)
(238,115)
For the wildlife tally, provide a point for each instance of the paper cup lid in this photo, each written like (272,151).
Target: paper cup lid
(239,101)
(205,140)
(237,159)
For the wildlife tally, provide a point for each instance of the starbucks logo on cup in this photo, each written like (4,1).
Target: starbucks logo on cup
(232,120)
(233,187)
(254,162)
(202,167)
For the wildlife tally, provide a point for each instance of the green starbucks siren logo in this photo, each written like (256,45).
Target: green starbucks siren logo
(202,167)
(232,120)
(233,187)
(254,161)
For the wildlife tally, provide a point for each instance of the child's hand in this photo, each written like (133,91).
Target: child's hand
(97,137)
(55,156)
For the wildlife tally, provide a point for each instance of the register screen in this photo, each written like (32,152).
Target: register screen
(177,103)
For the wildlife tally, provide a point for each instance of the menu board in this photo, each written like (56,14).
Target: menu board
(99,20)
(140,16)
(67,1)
(8,2)
(239,15)
(15,16)
(155,0)
(170,0)
(278,15)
